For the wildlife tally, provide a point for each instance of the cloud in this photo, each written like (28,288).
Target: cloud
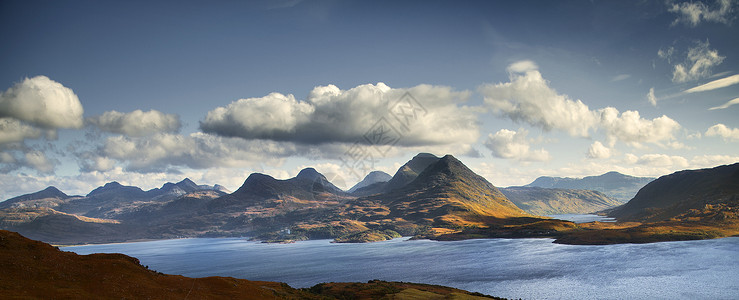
(726,105)
(716,84)
(42,102)
(728,134)
(161,152)
(651,98)
(597,150)
(660,160)
(418,116)
(38,161)
(693,13)
(137,122)
(511,144)
(630,128)
(620,77)
(528,98)
(13,131)
(522,66)
(698,64)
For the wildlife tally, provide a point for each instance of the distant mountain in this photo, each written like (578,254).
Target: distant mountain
(371,178)
(550,201)
(684,192)
(50,193)
(615,185)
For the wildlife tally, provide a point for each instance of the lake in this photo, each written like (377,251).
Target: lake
(513,268)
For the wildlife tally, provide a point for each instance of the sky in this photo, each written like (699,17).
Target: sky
(148,92)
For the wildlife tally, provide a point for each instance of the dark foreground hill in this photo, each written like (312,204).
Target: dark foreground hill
(35,270)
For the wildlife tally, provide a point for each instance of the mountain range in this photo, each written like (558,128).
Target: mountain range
(428,197)
(613,184)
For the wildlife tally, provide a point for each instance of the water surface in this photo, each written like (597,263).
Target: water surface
(513,268)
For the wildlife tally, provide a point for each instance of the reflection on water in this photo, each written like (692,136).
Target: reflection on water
(513,268)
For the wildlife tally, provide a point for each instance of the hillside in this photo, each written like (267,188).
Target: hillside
(35,270)
(613,184)
(373,177)
(678,193)
(551,201)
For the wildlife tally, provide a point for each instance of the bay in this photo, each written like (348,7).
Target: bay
(513,268)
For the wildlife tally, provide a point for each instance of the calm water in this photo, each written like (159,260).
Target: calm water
(526,268)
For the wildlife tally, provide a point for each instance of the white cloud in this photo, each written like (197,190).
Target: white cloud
(620,77)
(528,98)
(651,98)
(38,161)
(663,160)
(522,66)
(12,131)
(693,13)
(728,134)
(432,115)
(161,152)
(42,102)
(716,84)
(630,128)
(511,144)
(698,64)
(597,150)
(137,122)
(726,105)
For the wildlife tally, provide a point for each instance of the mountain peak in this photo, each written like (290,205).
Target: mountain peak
(410,170)
(186,181)
(309,173)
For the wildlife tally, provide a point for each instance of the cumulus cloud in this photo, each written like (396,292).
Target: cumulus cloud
(528,98)
(716,84)
(699,63)
(597,150)
(137,122)
(726,105)
(511,144)
(630,128)
(198,150)
(728,134)
(651,98)
(42,102)
(421,115)
(693,13)
(12,131)
(38,161)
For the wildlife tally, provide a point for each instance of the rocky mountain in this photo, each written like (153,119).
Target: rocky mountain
(371,178)
(615,185)
(689,191)
(552,201)
(35,270)
(41,198)
(446,192)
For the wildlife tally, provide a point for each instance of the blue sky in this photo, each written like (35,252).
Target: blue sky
(144,93)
